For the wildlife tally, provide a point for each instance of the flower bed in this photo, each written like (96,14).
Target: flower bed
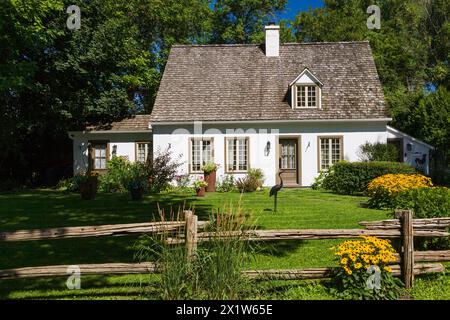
(383,190)
(364,271)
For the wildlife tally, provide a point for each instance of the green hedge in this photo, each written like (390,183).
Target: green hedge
(353,177)
(427,203)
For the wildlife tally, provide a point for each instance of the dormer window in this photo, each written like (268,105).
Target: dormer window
(306,91)
(306,96)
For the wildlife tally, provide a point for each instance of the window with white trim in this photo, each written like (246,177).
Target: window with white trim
(237,154)
(330,151)
(306,96)
(99,155)
(201,153)
(143,151)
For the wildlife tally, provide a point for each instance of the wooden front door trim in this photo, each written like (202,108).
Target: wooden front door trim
(298,148)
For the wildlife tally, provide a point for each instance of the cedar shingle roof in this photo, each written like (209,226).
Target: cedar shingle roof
(238,82)
(135,123)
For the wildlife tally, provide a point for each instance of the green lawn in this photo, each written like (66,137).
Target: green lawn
(298,208)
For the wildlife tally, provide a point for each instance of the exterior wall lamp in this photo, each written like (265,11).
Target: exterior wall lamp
(267,149)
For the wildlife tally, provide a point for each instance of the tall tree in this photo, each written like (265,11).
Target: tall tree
(242,21)
(53,79)
(411,51)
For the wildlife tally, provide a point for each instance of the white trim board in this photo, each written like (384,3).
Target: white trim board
(395,131)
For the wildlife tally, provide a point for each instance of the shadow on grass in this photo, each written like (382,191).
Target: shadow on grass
(279,248)
(91,287)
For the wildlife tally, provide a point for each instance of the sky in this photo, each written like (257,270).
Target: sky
(294,6)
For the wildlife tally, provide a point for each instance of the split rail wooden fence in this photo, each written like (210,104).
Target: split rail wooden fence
(191,232)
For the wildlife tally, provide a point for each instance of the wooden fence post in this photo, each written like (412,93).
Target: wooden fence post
(190,232)
(407,254)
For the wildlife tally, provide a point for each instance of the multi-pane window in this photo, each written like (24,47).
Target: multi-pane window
(288,154)
(237,154)
(100,155)
(330,152)
(301,96)
(201,153)
(306,97)
(143,151)
(311,96)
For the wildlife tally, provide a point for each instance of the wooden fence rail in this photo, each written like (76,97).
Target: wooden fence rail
(150,267)
(187,231)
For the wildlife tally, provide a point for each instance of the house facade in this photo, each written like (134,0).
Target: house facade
(295,108)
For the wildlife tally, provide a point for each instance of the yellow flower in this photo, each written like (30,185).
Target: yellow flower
(388,269)
(358,265)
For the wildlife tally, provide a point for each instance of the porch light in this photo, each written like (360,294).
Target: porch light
(114,150)
(267,148)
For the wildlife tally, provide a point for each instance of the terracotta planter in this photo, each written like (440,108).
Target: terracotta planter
(201,192)
(137,194)
(211,179)
(88,189)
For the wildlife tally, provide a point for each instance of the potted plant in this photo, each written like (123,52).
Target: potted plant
(209,171)
(200,186)
(136,180)
(88,185)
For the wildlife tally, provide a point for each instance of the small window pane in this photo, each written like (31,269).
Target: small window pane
(237,154)
(330,152)
(201,153)
(311,96)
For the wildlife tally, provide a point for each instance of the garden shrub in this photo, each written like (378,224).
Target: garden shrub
(383,190)
(135,177)
(71,184)
(353,177)
(427,203)
(113,179)
(318,181)
(251,182)
(364,272)
(256,174)
(162,170)
(227,184)
(377,152)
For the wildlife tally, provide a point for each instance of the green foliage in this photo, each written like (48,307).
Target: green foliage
(210,167)
(198,184)
(427,203)
(411,52)
(215,270)
(319,180)
(242,21)
(353,287)
(353,177)
(113,179)
(253,181)
(53,79)
(378,152)
(136,176)
(162,170)
(227,184)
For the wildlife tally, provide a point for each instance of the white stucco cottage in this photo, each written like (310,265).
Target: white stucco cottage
(298,107)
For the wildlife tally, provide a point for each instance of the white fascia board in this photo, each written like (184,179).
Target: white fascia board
(73,133)
(272,121)
(310,75)
(396,131)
